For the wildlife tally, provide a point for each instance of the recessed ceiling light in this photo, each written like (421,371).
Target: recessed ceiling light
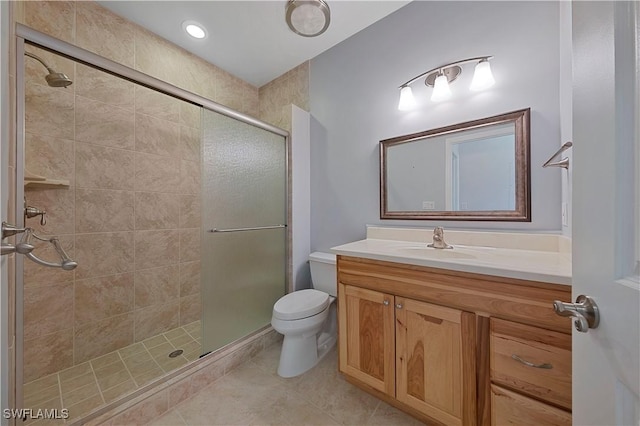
(194,29)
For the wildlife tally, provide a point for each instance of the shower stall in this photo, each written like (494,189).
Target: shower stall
(173,207)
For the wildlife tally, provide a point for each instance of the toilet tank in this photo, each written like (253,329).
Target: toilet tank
(323,272)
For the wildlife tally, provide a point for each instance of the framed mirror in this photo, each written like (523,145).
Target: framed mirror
(478,170)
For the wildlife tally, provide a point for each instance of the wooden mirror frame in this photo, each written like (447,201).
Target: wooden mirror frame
(522,212)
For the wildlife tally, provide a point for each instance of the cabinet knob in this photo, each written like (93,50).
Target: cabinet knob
(385,302)
(399,305)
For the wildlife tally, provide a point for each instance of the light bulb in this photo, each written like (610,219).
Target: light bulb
(441,89)
(482,76)
(407,101)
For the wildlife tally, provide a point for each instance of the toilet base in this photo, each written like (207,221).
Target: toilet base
(301,353)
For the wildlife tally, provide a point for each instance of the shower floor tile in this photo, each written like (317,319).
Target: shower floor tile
(87,386)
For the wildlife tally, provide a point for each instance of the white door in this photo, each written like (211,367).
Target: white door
(606,360)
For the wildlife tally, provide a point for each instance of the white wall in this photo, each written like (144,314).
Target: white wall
(354,97)
(566,108)
(300,198)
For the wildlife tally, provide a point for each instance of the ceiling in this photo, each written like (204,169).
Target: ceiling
(250,39)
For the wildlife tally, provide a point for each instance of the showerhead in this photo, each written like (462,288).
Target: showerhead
(57,79)
(54,79)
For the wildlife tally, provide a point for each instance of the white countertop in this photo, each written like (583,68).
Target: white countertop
(552,266)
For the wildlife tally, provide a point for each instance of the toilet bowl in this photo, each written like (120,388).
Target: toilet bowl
(307,318)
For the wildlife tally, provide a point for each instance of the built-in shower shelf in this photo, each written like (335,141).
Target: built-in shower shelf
(36,181)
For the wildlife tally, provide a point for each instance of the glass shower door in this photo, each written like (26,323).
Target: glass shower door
(244,228)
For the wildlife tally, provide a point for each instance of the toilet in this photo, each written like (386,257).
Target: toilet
(307,318)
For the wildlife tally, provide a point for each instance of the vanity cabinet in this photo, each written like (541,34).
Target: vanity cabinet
(455,348)
(408,350)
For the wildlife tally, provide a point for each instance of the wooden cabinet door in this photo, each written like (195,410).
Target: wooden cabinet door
(366,337)
(435,361)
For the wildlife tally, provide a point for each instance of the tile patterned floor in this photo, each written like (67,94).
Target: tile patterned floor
(253,394)
(89,385)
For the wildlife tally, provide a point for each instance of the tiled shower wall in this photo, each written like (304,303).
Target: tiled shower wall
(277,96)
(131,215)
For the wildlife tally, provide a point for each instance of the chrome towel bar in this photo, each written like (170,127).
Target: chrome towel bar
(255,228)
(564,163)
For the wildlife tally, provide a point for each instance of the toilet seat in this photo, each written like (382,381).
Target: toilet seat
(300,304)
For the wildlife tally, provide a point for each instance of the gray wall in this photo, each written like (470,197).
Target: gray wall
(354,97)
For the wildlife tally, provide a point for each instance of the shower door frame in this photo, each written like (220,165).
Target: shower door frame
(27,35)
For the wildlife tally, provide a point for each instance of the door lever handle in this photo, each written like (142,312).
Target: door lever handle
(584,312)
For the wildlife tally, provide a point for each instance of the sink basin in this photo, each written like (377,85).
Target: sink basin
(432,253)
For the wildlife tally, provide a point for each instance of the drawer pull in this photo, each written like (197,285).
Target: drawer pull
(530,364)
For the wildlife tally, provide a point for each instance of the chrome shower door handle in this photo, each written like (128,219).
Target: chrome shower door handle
(584,312)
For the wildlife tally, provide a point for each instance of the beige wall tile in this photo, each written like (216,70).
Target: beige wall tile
(103,210)
(157,210)
(190,115)
(50,157)
(276,96)
(251,100)
(190,177)
(105,33)
(101,167)
(190,214)
(35,274)
(47,309)
(144,411)
(103,297)
(104,254)
(48,354)
(156,104)
(100,337)
(189,244)
(195,74)
(56,18)
(190,143)
(190,309)
(156,57)
(156,319)
(40,101)
(156,248)
(229,90)
(157,136)
(157,174)
(189,278)
(98,85)
(157,286)
(58,203)
(103,124)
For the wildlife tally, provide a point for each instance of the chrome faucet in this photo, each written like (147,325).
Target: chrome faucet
(438,239)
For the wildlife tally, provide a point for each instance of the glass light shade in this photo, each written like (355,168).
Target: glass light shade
(407,101)
(441,89)
(482,76)
(194,29)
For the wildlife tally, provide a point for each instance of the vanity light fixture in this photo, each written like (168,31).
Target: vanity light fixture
(194,29)
(308,18)
(440,77)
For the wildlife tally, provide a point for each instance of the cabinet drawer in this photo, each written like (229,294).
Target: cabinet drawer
(510,408)
(535,346)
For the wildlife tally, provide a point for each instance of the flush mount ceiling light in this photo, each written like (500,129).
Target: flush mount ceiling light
(440,77)
(194,29)
(308,18)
